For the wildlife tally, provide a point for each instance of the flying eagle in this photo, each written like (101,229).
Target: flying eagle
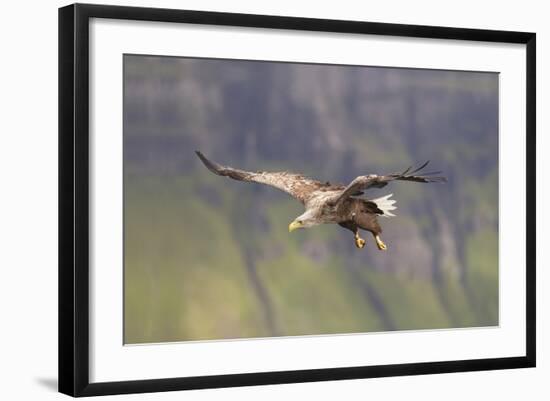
(332,203)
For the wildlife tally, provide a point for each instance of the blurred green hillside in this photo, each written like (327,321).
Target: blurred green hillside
(211,258)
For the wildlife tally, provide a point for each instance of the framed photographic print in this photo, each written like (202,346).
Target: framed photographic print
(250,199)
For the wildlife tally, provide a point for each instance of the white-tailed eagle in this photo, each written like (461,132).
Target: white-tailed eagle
(332,203)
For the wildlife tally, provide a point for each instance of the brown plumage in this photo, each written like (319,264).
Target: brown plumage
(332,203)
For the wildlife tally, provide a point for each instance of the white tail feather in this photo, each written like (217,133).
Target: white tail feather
(386,205)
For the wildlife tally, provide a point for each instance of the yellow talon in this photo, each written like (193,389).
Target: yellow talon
(380,244)
(360,242)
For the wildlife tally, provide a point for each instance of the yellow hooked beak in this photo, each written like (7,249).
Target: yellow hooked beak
(294,225)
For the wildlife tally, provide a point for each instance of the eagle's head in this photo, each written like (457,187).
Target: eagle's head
(306,220)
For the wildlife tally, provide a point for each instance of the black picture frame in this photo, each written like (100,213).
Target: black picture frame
(74,193)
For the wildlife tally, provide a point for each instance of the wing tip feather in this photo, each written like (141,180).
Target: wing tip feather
(210,165)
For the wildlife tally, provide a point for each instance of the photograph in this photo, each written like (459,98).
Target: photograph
(276,199)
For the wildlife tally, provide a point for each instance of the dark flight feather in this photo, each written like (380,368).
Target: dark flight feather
(365,182)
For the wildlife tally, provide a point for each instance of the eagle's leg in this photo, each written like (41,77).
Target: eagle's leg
(359,242)
(379,243)
(368,221)
(350,225)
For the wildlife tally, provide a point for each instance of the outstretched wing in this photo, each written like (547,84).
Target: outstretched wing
(296,185)
(364,182)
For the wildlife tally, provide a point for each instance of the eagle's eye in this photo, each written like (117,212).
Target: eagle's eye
(300,222)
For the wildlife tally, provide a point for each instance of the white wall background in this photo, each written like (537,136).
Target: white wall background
(28,202)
